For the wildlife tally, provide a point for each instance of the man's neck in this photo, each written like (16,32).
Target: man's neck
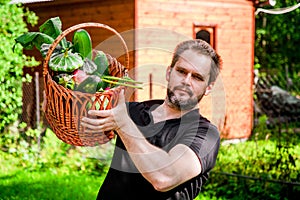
(166,111)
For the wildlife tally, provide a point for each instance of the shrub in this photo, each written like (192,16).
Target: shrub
(12,60)
(255,169)
(51,153)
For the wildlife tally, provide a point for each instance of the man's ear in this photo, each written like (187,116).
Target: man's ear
(209,88)
(168,72)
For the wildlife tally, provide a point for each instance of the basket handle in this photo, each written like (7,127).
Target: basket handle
(79,26)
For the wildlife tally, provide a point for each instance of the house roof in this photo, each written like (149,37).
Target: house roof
(27,1)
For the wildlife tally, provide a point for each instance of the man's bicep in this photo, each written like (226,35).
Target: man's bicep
(185,162)
(205,145)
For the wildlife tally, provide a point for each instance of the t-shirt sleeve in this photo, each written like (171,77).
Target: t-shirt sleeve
(205,143)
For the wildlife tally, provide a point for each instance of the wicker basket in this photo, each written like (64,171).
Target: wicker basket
(64,107)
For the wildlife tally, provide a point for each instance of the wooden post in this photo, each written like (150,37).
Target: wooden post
(37,106)
(150,86)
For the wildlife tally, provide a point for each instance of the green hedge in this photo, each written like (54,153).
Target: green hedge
(12,60)
(257,169)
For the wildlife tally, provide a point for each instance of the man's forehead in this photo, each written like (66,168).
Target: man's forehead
(194,61)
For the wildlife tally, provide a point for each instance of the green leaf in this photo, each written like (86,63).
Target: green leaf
(45,48)
(65,80)
(53,28)
(33,39)
(89,67)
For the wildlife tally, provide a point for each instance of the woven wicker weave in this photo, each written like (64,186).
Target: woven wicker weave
(64,108)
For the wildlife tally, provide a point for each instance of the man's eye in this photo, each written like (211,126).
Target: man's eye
(198,78)
(181,71)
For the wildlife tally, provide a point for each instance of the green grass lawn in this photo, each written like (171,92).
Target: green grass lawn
(48,185)
(64,183)
(17,183)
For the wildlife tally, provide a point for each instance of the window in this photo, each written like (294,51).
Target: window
(205,32)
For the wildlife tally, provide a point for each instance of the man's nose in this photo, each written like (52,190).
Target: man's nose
(187,79)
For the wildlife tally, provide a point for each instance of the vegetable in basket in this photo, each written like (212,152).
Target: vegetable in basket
(65,80)
(75,64)
(79,76)
(101,61)
(65,62)
(48,32)
(90,85)
(82,43)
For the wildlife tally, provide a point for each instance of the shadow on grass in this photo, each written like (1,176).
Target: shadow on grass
(11,176)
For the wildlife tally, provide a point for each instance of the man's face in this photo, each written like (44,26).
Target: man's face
(188,80)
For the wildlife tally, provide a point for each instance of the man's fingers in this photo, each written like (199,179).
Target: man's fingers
(91,127)
(93,122)
(97,124)
(121,99)
(99,113)
(104,120)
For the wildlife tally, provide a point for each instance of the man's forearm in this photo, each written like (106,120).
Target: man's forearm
(162,169)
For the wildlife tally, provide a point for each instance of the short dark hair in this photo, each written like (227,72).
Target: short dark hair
(201,47)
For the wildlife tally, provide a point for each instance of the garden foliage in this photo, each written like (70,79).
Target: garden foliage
(12,60)
(265,167)
(51,153)
(277,36)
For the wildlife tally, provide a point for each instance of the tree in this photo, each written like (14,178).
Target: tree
(14,19)
(276,44)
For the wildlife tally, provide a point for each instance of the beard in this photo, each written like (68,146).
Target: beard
(180,103)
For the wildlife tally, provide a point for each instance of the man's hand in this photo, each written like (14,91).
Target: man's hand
(106,120)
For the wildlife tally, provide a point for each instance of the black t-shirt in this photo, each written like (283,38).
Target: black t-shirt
(123,181)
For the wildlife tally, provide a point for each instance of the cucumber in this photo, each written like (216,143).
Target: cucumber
(89,85)
(82,43)
(102,63)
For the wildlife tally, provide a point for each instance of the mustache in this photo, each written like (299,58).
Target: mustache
(184,88)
